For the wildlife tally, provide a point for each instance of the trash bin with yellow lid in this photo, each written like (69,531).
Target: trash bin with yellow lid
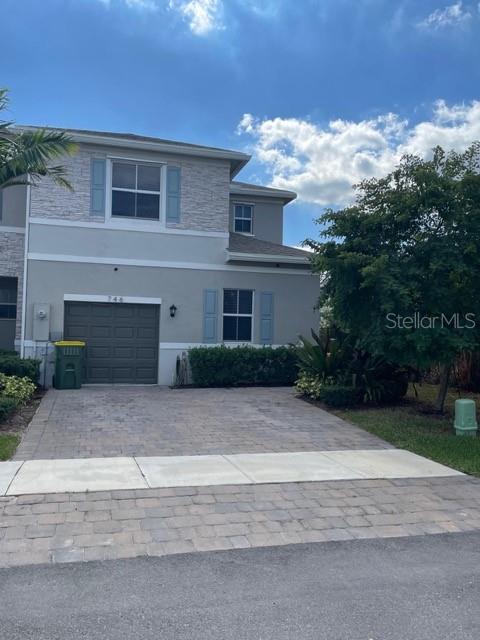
(68,364)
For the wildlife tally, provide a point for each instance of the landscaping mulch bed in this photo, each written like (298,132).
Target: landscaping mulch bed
(19,421)
(11,430)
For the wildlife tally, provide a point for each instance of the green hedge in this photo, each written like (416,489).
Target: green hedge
(7,407)
(12,365)
(336,395)
(230,367)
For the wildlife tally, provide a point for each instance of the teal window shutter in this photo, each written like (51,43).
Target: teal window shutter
(173,194)
(210,315)
(97,186)
(1,204)
(266,317)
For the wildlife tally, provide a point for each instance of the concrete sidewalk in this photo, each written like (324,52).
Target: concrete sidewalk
(109,474)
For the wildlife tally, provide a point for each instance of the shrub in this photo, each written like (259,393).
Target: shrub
(336,395)
(336,359)
(13,365)
(333,395)
(228,367)
(309,386)
(7,407)
(18,389)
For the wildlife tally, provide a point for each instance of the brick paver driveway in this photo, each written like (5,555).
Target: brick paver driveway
(146,421)
(108,421)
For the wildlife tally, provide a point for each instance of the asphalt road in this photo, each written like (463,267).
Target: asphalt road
(422,588)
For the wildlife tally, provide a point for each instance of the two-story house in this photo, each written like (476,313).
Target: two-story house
(156,249)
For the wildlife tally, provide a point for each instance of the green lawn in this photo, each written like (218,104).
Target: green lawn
(413,426)
(8,444)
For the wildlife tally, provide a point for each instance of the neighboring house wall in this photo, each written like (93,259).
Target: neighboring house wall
(294,298)
(11,265)
(267,217)
(204,189)
(13,207)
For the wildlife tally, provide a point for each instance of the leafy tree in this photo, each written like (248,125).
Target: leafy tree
(410,244)
(26,156)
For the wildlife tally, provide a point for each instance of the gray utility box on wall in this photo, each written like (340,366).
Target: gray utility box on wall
(41,322)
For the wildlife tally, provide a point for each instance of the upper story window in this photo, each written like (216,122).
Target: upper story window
(237,315)
(136,190)
(243,218)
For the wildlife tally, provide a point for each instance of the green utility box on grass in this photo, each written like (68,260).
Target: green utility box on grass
(465,418)
(68,364)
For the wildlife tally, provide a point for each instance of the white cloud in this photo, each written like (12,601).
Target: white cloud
(203,16)
(321,163)
(451,16)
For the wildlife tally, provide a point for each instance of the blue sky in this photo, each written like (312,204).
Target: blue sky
(322,92)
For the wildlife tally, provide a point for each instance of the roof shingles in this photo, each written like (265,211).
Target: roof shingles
(240,243)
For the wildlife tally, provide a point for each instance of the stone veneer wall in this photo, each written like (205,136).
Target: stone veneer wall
(11,265)
(204,190)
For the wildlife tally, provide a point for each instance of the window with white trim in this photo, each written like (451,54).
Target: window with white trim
(243,218)
(237,315)
(136,190)
(8,298)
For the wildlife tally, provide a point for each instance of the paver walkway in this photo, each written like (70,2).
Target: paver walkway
(129,523)
(107,421)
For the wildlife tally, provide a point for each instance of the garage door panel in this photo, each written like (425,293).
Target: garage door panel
(146,332)
(147,312)
(99,374)
(125,311)
(121,340)
(98,352)
(78,311)
(124,332)
(145,353)
(123,374)
(143,375)
(128,353)
(100,331)
(100,310)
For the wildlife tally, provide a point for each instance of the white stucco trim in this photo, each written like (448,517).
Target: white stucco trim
(231,345)
(267,257)
(133,262)
(140,225)
(85,297)
(6,229)
(25,272)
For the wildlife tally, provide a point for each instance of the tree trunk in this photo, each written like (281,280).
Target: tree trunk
(443,388)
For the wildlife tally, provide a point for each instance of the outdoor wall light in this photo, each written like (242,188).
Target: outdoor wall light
(173,311)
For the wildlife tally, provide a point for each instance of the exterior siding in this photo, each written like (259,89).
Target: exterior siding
(116,244)
(294,314)
(204,189)
(11,265)
(48,200)
(267,217)
(204,195)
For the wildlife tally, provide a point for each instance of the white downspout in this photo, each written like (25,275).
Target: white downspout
(25,273)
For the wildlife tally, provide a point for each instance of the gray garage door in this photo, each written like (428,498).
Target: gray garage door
(122,340)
